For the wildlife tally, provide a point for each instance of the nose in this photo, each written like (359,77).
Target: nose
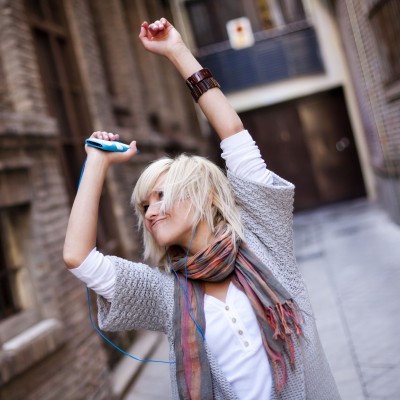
(153,210)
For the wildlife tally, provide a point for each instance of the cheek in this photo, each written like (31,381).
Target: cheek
(146,225)
(182,212)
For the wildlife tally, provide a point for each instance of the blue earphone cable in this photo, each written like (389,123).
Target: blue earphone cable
(113,344)
(184,287)
(98,330)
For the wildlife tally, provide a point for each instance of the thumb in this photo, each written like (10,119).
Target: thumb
(126,155)
(144,34)
(132,149)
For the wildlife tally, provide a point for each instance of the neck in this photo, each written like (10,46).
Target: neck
(200,238)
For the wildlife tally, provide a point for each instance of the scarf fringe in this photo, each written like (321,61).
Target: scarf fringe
(284,322)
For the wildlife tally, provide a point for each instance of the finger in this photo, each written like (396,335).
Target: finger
(153,29)
(131,151)
(97,134)
(156,26)
(104,135)
(161,24)
(133,147)
(144,36)
(143,29)
(166,23)
(113,136)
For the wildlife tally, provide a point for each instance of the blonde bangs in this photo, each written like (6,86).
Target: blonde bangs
(190,178)
(145,183)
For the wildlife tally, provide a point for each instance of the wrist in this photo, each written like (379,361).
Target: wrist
(176,51)
(98,160)
(184,61)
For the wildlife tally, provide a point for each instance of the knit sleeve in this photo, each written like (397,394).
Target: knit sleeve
(266,207)
(267,215)
(142,299)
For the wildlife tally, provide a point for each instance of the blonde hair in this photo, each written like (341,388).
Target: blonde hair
(187,177)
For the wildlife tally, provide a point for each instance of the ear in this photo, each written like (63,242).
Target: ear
(213,209)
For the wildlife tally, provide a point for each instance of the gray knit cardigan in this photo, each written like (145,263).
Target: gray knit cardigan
(144,296)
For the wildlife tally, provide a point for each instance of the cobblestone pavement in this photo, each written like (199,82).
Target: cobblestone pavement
(349,254)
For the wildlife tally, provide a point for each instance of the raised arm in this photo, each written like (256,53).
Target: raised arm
(162,38)
(81,233)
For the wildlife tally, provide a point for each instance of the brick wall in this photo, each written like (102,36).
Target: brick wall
(70,361)
(380,115)
(19,65)
(77,367)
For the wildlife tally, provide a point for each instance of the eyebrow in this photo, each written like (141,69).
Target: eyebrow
(154,190)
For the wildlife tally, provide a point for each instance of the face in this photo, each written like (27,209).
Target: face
(172,228)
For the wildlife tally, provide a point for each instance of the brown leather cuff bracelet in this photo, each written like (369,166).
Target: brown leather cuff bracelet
(204,86)
(197,77)
(200,82)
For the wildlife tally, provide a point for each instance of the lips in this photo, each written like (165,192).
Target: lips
(155,223)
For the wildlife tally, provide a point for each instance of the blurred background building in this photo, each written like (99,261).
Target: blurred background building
(370,31)
(317,83)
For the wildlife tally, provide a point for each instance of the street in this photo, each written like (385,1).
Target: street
(349,255)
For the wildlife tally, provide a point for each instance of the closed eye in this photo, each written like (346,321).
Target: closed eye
(160,195)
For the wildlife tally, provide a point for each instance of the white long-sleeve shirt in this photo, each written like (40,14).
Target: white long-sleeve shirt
(232,333)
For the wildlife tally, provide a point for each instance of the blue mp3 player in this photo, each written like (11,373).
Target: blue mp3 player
(107,145)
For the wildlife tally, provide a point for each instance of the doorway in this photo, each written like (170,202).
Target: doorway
(309,141)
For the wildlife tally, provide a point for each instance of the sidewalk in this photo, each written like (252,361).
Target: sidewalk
(153,382)
(349,255)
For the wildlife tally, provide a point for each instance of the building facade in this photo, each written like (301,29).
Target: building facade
(68,68)
(317,84)
(291,85)
(370,32)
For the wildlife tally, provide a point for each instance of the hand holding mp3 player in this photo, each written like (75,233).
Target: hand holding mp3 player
(107,145)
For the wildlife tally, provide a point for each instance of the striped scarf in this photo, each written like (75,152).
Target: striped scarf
(277,314)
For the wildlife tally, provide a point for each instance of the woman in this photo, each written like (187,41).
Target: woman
(228,293)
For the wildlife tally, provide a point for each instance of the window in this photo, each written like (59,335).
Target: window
(385,17)
(122,113)
(25,337)
(208,18)
(9,267)
(292,10)
(64,94)
(67,103)
(15,292)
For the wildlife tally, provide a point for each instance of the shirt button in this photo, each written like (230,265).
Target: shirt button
(246,344)
(226,308)
(240,332)
(233,320)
